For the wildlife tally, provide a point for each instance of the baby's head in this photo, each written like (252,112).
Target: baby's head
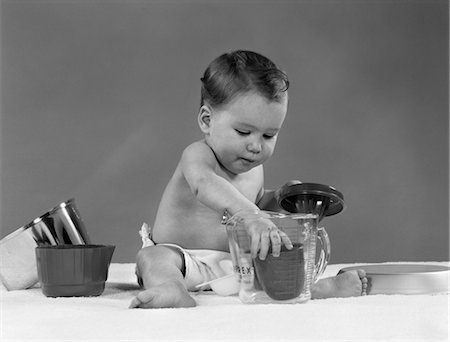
(239,72)
(244,103)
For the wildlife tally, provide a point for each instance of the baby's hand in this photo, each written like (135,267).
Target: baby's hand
(263,234)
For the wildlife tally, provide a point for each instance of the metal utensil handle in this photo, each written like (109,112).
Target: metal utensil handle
(325,253)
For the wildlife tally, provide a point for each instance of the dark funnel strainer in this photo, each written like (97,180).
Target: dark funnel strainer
(310,198)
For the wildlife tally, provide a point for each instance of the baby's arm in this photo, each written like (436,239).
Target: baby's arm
(267,201)
(199,167)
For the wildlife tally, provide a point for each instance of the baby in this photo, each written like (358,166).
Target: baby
(244,102)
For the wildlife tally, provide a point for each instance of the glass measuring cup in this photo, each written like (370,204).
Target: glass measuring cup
(284,279)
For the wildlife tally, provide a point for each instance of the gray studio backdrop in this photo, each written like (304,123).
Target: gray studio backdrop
(99,98)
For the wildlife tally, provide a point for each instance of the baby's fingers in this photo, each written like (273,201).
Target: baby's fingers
(254,245)
(285,239)
(275,241)
(265,243)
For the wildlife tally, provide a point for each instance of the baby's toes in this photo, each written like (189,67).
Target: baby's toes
(364,281)
(361,273)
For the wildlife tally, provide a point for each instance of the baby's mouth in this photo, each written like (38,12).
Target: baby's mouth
(248,161)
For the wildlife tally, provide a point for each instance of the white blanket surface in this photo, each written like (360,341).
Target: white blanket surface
(28,315)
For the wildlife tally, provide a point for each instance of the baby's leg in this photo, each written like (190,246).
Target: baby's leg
(345,284)
(160,270)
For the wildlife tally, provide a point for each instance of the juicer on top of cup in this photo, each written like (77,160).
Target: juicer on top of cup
(289,277)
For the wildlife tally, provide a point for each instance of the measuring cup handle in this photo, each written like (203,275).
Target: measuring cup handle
(325,251)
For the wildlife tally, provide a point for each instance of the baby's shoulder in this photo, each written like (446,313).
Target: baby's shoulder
(198,146)
(198,152)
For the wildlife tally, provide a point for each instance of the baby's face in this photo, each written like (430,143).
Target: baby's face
(243,133)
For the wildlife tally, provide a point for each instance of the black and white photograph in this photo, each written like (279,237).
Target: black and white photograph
(253,170)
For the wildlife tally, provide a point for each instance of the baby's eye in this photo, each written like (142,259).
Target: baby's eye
(242,132)
(269,136)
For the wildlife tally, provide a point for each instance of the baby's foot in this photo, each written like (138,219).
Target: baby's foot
(171,294)
(345,284)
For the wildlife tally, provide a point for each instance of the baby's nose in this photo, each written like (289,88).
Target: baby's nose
(254,147)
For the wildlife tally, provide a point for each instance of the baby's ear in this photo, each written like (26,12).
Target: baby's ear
(204,118)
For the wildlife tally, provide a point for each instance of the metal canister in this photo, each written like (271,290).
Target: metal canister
(61,225)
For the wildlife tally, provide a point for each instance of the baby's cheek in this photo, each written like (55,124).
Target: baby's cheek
(268,152)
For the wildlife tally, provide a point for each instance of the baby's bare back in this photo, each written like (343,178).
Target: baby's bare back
(183,220)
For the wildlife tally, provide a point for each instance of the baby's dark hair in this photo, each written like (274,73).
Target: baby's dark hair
(238,72)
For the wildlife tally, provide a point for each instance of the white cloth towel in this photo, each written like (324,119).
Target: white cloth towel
(29,315)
